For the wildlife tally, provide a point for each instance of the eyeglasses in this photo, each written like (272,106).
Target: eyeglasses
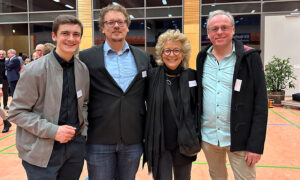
(216,29)
(113,23)
(167,52)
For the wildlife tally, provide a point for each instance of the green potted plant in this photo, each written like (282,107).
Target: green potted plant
(279,76)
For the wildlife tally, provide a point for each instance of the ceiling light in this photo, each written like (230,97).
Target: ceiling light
(170,15)
(253,11)
(56,0)
(115,3)
(296,9)
(164,2)
(69,6)
(131,16)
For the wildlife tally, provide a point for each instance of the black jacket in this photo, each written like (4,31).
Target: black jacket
(154,132)
(249,107)
(113,116)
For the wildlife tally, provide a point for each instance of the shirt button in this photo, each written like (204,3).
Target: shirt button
(218,128)
(217,105)
(217,117)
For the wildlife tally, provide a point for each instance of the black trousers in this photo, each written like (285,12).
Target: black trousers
(12,86)
(167,164)
(66,162)
(5,92)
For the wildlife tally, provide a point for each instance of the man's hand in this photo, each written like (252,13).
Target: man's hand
(65,133)
(252,158)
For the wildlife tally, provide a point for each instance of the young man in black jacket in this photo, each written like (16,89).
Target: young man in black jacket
(234,101)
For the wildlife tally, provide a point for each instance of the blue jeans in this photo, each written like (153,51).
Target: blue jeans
(108,162)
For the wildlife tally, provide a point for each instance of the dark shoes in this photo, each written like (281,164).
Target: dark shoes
(7,125)
(6,108)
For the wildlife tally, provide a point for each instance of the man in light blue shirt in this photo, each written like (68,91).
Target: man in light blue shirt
(116,109)
(233,99)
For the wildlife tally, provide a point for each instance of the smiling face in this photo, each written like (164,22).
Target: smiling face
(172,60)
(68,38)
(220,31)
(115,33)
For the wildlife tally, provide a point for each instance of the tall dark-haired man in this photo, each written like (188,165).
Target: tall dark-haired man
(50,108)
(117,100)
(234,101)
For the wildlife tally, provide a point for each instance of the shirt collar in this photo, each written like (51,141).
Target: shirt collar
(107,49)
(211,47)
(61,61)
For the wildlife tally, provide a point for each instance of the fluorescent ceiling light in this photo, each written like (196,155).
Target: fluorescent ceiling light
(56,0)
(213,5)
(253,11)
(170,15)
(296,9)
(164,2)
(148,27)
(69,6)
(131,16)
(115,3)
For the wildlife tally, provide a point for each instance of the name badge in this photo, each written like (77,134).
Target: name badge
(144,74)
(1,85)
(192,83)
(238,84)
(79,93)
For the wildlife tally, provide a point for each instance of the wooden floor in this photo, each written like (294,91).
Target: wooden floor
(281,159)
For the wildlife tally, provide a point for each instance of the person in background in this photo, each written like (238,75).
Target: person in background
(234,101)
(48,47)
(50,108)
(13,66)
(4,87)
(3,78)
(116,108)
(34,56)
(39,50)
(162,152)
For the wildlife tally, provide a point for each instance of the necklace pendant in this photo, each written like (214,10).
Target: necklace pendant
(169,82)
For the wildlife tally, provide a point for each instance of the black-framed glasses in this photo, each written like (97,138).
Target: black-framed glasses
(113,23)
(216,29)
(167,52)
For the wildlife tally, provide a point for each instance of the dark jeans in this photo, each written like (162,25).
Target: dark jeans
(107,162)
(5,92)
(12,86)
(166,164)
(66,162)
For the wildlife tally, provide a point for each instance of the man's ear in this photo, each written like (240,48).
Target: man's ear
(53,36)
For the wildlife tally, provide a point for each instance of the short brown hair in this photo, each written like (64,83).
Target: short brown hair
(112,7)
(65,19)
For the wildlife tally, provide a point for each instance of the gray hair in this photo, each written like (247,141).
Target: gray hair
(220,12)
(12,51)
(1,50)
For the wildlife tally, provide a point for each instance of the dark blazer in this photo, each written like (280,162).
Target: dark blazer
(13,67)
(249,106)
(115,116)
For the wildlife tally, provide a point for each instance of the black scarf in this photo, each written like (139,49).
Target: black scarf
(176,71)
(154,142)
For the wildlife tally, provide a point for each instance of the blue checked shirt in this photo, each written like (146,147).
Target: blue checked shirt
(217,93)
(121,66)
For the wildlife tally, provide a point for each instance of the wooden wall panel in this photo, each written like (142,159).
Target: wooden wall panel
(191,27)
(85,16)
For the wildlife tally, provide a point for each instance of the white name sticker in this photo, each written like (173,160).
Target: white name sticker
(144,74)
(238,84)
(79,93)
(192,83)
(1,85)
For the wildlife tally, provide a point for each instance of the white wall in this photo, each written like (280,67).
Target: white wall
(282,39)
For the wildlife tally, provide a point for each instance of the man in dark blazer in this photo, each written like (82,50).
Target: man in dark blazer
(116,110)
(3,78)
(13,67)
